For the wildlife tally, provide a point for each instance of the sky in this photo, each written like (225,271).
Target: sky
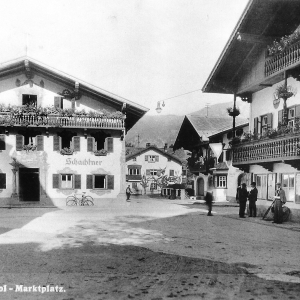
(141,50)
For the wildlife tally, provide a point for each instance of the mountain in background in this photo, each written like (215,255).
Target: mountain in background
(163,129)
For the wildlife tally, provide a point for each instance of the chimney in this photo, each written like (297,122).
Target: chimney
(148,145)
(166,147)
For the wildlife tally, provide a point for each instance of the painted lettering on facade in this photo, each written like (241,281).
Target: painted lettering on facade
(83,162)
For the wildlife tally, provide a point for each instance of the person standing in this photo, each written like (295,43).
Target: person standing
(252,200)
(242,197)
(209,200)
(280,199)
(128,192)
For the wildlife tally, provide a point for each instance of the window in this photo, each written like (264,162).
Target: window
(67,181)
(153,186)
(29,138)
(220,181)
(2,181)
(291,113)
(134,185)
(151,158)
(262,124)
(134,171)
(29,100)
(2,142)
(134,159)
(100,181)
(66,140)
(58,102)
(99,142)
(153,172)
(171,172)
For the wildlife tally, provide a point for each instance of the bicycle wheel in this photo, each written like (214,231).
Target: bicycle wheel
(88,200)
(71,201)
(286,213)
(267,211)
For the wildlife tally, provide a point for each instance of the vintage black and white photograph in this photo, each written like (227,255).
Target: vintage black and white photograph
(149,149)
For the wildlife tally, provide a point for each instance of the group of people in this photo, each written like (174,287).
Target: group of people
(243,195)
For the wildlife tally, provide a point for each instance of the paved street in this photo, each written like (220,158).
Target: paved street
(146,249)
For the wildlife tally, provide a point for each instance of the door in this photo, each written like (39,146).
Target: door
(288,185)
(200,186)
(261,185)
(29,184)
(271,186)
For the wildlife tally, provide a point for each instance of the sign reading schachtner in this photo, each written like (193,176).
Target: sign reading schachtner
(83,162)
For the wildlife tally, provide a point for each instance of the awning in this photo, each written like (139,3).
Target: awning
(134,166)
(217,149)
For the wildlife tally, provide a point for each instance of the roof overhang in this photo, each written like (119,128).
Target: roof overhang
(260,23)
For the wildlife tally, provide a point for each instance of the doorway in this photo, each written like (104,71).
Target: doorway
(29,184)
(200,186)
(261,185)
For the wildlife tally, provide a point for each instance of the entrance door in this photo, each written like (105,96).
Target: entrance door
(200,186)
(288,185)
(29,184)
(261,185)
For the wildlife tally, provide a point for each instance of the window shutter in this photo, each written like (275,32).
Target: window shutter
(110,144)
(171,172)
(77,184)
(40,143)
(89,181)
(270,120)
(56,143)
(19,142)
(76,143)
(58,102)
(146,157)
(297,111)
(110,182)
(156,158)
(280,112)
(148,172)
(255,129)
(55,181)
(2,181)
(158,173)
(90,144)
(2,142)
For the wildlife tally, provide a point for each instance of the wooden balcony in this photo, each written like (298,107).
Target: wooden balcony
(268,151)
(287,59)
(7,119)
(134,177)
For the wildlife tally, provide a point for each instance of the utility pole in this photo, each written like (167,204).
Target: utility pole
(207,107)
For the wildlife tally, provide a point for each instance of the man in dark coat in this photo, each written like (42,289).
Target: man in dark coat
(209,201)
(280,199)
(252,200)
(243,195)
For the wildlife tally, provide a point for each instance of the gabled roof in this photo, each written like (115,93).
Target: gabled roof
(239,124)
(25,64)
(206,127)
(159,151)
(263,19)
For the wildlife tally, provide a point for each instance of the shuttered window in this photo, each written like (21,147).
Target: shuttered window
(2,181)
(148,172)
(55,181)
(280,114)
(56,143)
(19,142)
(156,158)
(90,144)
(2,142)
(255,129)
(146,157)
(39,143)
(171,172)
(76,143)
(58,102)
(77,183)
(109,141)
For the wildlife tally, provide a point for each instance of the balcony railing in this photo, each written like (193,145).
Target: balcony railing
(272,150)
(6,119)
(280,61)
(133,177)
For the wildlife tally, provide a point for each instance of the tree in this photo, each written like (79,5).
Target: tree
(145,182)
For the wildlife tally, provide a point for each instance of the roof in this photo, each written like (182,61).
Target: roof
(264,20)
(206,127)
(222,166)
(239,124)
(159,151)
(21,65)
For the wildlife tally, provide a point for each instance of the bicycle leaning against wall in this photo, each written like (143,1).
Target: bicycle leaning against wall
(77,200)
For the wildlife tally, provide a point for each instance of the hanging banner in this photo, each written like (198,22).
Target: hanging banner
(217,149)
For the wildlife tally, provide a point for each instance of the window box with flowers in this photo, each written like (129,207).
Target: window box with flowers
(101,152)
(67,151)
(233,112)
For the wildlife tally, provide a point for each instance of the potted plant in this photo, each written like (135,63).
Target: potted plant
(67,151)
(233,112)
(101,152)
(284,92)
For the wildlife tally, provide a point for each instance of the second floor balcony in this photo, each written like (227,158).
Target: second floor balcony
(39,117)
(267,151)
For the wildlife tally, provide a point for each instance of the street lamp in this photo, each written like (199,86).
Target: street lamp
(158,108)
